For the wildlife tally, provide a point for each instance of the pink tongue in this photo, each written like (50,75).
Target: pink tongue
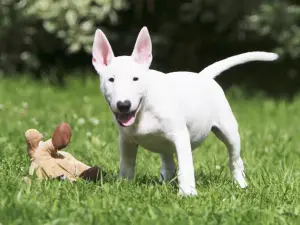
(126,119)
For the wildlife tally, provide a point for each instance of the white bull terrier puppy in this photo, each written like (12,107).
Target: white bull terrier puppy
(168,113)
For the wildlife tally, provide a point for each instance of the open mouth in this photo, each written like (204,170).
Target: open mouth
(128,118)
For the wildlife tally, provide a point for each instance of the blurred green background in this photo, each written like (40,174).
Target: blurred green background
(51,38)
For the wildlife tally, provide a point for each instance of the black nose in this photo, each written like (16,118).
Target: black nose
(124,106)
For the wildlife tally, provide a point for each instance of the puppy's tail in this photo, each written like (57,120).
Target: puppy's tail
(217,68)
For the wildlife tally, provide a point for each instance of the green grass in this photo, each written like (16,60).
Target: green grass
(270,148)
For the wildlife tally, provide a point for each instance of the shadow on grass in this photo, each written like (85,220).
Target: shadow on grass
(203,178)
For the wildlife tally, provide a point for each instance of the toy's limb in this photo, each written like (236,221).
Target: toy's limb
(33,167)
(52,169)
(93,174)
(81,167)
(81,170)
(60,139)
(49,147)
(33,137)
(61,136)
(65,159)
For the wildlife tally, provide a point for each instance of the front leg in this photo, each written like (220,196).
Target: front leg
(186,177)
(128,152)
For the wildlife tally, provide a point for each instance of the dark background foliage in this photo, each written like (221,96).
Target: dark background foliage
(53,38)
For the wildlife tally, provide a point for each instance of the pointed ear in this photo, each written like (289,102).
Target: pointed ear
(102,52)
(142,52)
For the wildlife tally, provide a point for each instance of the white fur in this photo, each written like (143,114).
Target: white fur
(177,111)
(217,68)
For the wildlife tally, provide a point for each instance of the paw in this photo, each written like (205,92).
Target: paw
(237,170)
(124,176)
(166,176)
(187,191)
(239,177)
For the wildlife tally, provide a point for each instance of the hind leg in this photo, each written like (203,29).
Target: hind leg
(227,132)
(168,167)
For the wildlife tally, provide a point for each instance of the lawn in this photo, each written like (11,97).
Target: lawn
(270,133)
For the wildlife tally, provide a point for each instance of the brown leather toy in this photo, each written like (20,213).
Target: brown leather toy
(49,162)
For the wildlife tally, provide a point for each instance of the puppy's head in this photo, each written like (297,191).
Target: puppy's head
(122,78)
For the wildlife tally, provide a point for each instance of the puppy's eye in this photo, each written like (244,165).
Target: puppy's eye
(135,78)
(111,79)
